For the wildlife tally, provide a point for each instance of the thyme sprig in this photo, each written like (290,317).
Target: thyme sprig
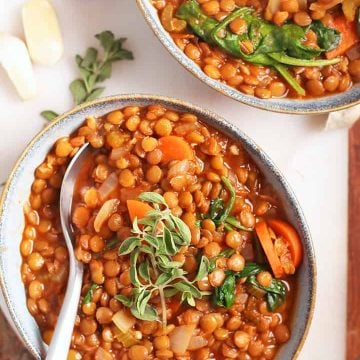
(153,272)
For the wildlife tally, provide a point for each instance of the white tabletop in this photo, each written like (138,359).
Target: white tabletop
(315,162)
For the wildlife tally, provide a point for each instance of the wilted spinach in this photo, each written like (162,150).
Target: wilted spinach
(224,295)
(271,45)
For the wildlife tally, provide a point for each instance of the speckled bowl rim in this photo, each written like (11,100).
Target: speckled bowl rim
(206,116)
(336,102)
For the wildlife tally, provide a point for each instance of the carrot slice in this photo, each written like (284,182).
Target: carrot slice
(175,148)
(349,36)
(292,238)
(137,209)
(268,246)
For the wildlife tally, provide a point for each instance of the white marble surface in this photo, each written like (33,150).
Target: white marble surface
(315,162)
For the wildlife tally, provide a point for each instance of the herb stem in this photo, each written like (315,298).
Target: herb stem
(163,306)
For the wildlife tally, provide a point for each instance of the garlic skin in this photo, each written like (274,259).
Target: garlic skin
(14,58)
(42,32)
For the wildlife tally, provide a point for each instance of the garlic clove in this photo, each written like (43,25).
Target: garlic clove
(14,58)
(42,32)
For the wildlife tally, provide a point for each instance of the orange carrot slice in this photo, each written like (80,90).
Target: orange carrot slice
(137,209)
(292,238)
(175,148)
(268,247)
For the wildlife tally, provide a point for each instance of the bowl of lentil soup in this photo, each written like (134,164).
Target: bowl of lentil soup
(293,56)
(194,245)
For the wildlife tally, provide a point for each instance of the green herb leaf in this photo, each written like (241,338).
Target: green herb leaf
(106,39)
(182,228)
(203,268)
(149,313)
(144,270)
(49,115)
(170,246)
(188,287)
(94,69)
(89,294)
(95,94)
(128,245)
(124,300)
(170,292)
(133,272)
(152,240)
(152,197)
(225,253)
(78,91)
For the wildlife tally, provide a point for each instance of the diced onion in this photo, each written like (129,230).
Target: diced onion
(42,32)
(102,354)
(197,342)
(107,209)
(108,186)
(123,321)
(180,338)
(127,339)
(15,59)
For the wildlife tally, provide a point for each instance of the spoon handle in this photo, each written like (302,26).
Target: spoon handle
(60,343)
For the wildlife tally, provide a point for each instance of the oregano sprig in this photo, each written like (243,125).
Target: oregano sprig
(94,69)
(156,238)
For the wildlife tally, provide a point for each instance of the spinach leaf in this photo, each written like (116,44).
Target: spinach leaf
(224,295)
(327,38)
(270,45)
(275,293)
(216,209)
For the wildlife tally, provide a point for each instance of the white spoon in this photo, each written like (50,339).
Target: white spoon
(60,343)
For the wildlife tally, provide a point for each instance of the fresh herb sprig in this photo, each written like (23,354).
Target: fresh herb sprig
(219,213)
(224,295)
(94,69)
(156,239)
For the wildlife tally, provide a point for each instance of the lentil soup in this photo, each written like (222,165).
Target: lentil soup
(187,252)
(269,48)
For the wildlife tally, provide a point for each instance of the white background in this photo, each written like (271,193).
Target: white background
(314,161)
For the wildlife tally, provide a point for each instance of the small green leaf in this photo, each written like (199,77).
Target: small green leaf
(188,287)
(89,294)
(106,39)
(49,115)
(183,229)
(187,296)
(78,60)
(124,300)
(149,314)
(84,73)
(152,240)
(163,278)
(152,197)
(89,58)
(135,228)
(133,272)
(78,91)
(105,72)
(171,248)
(128,245)
(144,270)
(170,292)
(144,302)
(95,94)
(122,55)
(203,269)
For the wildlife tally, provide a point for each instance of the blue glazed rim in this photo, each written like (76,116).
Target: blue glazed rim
(335,102)
(262,160)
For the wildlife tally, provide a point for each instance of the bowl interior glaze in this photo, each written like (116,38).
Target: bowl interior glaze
(17,191)
(320,105)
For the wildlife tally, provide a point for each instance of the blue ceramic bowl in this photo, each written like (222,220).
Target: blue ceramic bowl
(18,187)
(312,106)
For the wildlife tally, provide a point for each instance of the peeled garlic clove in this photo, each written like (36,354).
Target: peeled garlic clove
(15,59)
(42,32)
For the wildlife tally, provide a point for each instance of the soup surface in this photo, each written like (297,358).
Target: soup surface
(187,251)
(269,48)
